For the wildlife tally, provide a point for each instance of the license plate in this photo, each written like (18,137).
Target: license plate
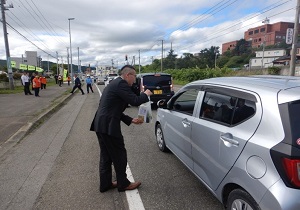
(157,91)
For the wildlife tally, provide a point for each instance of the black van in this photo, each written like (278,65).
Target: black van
(160,84)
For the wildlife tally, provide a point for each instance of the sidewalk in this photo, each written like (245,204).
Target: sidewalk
(21,113)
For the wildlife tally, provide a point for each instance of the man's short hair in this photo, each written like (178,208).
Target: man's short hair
(126,69)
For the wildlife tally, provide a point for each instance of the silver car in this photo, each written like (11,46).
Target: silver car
(240,136)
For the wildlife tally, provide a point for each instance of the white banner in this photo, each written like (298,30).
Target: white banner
(289,36)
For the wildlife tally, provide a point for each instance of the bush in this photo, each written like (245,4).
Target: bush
(274,70)
(3,78)
(17,76)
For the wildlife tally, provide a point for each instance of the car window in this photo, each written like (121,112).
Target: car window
(185,103)
(226,109)
(160,80)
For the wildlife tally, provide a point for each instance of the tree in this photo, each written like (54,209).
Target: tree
(169,61)
(242,47)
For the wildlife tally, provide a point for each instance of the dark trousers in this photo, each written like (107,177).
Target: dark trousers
(60,82)
(89,86)
(112,150)
(43,86)
(79,87)
(36,91)
(26,88)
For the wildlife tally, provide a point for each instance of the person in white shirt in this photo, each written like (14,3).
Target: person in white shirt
(25,83)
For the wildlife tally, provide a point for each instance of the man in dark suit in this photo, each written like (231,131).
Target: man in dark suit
(77,85)
(114,100)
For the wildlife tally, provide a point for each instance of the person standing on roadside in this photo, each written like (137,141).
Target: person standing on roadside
(89,83)
(36,84)
(26,83)
(31,80)
(43,80)
(69,79)
(56,78)
(77,85)
(106,123)
(60,80)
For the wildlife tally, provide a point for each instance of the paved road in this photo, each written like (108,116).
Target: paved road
(56,167)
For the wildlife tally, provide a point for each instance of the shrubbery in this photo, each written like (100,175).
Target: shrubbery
(3,78)
(274,70)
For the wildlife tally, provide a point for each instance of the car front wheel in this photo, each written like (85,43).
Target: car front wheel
(160,139)
(238,199)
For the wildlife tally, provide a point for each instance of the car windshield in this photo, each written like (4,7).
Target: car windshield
(159,80)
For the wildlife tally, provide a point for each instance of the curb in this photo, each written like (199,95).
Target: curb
(34,123)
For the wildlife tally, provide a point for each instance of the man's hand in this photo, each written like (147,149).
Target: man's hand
(137,121)
(148,92)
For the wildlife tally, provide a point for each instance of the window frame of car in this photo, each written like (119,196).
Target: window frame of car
(229,92)
(202,90)
(171,102)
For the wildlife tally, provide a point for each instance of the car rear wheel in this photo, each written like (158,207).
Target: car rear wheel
(160,139)
(238,199)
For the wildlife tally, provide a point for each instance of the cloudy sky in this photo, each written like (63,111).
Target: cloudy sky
(105,31)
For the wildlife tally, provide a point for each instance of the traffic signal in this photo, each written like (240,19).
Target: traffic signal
(126,58)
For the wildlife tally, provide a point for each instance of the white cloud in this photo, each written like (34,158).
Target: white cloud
(105,30)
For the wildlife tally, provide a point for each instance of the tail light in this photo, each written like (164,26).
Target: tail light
(292,170)
(171,86)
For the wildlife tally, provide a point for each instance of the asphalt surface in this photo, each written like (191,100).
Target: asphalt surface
(20,113)
(56,165)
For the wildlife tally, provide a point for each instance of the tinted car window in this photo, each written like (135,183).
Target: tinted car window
(157,80)
(185,103)
(226,109)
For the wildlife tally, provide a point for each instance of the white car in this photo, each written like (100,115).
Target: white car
(109,79)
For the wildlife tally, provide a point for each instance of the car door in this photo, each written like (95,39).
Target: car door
(217,142)
(176,124)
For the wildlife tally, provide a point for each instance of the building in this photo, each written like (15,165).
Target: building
(30,58)
(228,46)
(269,55)
(272,34)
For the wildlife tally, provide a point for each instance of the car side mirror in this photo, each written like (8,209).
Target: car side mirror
(162,104)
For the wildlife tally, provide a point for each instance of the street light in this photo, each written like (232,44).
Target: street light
(72,76)
(265,21)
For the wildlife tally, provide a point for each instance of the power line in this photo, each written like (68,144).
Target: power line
(29,40)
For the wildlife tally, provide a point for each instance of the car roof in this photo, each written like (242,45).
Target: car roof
(151,74)
(254,82)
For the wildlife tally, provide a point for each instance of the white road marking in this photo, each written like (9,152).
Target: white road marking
(133,196)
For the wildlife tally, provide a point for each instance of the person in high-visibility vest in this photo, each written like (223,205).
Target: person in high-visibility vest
(43,80)
(36,84)
(69,79)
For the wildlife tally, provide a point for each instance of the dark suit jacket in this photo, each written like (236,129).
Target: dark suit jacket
(114,100)
(77,82)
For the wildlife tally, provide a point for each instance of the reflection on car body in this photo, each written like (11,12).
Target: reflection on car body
(238,135)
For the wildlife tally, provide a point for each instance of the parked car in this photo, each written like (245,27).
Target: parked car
(109,79)
(240,136)
(110,75)
(161,84)
(100,81)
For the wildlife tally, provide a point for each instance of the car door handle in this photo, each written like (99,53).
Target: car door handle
(186,123)
(230,140)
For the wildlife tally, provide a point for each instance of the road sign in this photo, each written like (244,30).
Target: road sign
(289,36)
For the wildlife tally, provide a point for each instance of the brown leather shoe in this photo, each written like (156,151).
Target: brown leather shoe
(131,186)
(114,184)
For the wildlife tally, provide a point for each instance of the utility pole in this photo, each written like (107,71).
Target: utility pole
(8,61)
(79,69)
(265,21)
(139,61)
(162,55)
(295,41)
(57,63)
(68,61)
(48,64)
